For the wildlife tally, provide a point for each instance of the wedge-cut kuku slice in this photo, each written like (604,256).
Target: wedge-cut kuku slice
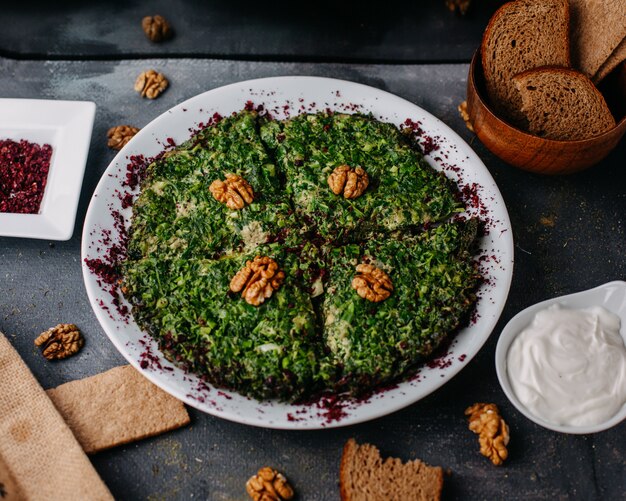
(522,35)
(562,104)
(618,56)
(364,476)
(597,28)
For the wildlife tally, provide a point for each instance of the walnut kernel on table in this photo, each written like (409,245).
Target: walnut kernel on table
(234,191)
(269,485)
(61,341)
(351,182)
(372,283)
(120,135)
(493,432)
(258,280)
(465,115)
(460,6)
(151,84)
(156,28)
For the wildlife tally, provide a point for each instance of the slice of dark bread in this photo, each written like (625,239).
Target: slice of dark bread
(522,35)
(597,28)
(614,60)
(364,476)
(562,104)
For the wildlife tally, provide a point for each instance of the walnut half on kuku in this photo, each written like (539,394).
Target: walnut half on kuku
(234,191)
(351,182)
(372,283)
(258,280)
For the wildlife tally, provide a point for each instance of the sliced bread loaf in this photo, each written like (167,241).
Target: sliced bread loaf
(618,56)
(522,35)
(597,28)
(364,476)
(562,104)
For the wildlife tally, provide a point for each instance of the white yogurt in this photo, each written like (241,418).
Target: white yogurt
(568,366)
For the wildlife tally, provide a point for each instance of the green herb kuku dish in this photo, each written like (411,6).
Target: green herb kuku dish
(404,191)
(315,333)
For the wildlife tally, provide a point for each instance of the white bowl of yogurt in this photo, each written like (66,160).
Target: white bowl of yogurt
(562,362)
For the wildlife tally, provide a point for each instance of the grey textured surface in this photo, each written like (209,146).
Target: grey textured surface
(280,30)
(569,232)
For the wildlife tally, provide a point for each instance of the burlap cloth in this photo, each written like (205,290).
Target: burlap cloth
(38,453)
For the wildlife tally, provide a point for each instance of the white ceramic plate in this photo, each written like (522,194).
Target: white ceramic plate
(611,296)
(304,93)
(66,126)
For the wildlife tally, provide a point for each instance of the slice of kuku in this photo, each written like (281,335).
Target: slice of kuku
(433,279)
(403,189)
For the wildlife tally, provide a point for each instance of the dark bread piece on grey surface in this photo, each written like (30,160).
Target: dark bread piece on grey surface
(364,476)
(562,104)
(522,35)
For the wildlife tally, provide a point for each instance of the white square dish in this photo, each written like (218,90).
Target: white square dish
(66,126)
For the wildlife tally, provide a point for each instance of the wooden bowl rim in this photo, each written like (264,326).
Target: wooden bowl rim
(555,142)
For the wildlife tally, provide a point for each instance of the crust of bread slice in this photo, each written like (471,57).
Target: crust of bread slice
(597,28)
(614,60)
(389,480)
(347,459)
(562,104)
(522,35)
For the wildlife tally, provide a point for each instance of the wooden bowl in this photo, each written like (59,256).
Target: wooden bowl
(533,153)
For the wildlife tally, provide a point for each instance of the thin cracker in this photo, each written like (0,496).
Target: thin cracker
(597,28)
(116,407)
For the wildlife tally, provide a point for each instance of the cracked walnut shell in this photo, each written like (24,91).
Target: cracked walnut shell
(269,485)
(156,28)
(258,280)
(493,432)
(151,84)
(61,341)
(234,191)
(349,181)
(372,283)
(120,135)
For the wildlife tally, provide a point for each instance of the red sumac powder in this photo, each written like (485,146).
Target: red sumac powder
(24,170)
